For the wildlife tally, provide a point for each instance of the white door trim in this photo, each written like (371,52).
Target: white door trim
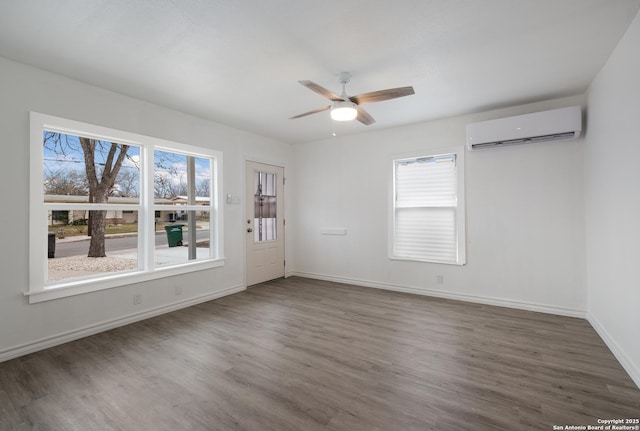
(248,203)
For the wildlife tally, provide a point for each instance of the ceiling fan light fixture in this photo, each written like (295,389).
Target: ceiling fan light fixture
(344,111)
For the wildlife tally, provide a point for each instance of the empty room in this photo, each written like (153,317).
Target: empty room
(330,215)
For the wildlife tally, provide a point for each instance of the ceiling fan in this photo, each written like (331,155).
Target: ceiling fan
(345,108)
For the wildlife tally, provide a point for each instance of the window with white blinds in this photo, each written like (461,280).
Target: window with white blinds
(428,210)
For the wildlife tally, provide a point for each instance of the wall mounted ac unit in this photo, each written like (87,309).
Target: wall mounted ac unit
(554,125)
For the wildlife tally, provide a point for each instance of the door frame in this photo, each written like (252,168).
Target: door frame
(264,161)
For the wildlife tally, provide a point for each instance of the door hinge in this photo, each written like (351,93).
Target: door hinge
(285,263)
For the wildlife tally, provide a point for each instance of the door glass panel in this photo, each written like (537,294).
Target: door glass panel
(264,203)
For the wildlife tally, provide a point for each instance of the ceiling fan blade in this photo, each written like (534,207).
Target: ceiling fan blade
(364,117)
(321,90)
(315,111)
(380,95)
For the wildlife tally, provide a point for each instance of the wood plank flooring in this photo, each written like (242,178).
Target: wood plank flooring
(300,354)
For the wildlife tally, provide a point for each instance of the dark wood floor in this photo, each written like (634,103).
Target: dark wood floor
(300,354)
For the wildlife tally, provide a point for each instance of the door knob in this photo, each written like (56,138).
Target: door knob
(249,230)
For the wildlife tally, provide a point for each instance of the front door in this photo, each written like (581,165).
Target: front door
(264,223)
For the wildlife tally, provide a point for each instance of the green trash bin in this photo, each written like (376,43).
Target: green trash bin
(174,234)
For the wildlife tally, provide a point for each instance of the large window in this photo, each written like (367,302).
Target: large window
(428,208)
(110,208)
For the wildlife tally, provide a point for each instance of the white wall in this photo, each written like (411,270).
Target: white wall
(612,184)
(525,216)
(25,327)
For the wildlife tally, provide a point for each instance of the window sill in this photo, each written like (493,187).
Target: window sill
(81,286)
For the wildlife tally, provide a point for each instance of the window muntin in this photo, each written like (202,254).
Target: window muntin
(130,204)
(428,208)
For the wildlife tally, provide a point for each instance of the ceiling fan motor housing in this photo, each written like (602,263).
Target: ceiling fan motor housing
(344,77)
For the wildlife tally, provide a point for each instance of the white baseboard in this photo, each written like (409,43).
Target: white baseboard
(521,305)
(65,337)
(629,366)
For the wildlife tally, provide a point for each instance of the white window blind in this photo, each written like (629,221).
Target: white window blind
(425,215)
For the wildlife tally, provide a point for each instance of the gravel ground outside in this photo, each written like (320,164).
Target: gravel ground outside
(78,266)
(63,268)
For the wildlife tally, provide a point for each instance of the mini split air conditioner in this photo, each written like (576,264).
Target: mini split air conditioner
(554,125)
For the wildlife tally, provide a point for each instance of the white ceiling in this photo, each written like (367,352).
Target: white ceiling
(238,62)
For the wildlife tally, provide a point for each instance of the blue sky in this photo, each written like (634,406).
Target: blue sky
(67,156)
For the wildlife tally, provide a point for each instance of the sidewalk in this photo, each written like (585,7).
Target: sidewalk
(165,255)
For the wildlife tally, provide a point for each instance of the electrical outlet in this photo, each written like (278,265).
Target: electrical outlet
(439,279)
(137,299)
(178,290)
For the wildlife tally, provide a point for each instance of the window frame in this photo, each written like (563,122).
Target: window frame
(41,290)
(460,208)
